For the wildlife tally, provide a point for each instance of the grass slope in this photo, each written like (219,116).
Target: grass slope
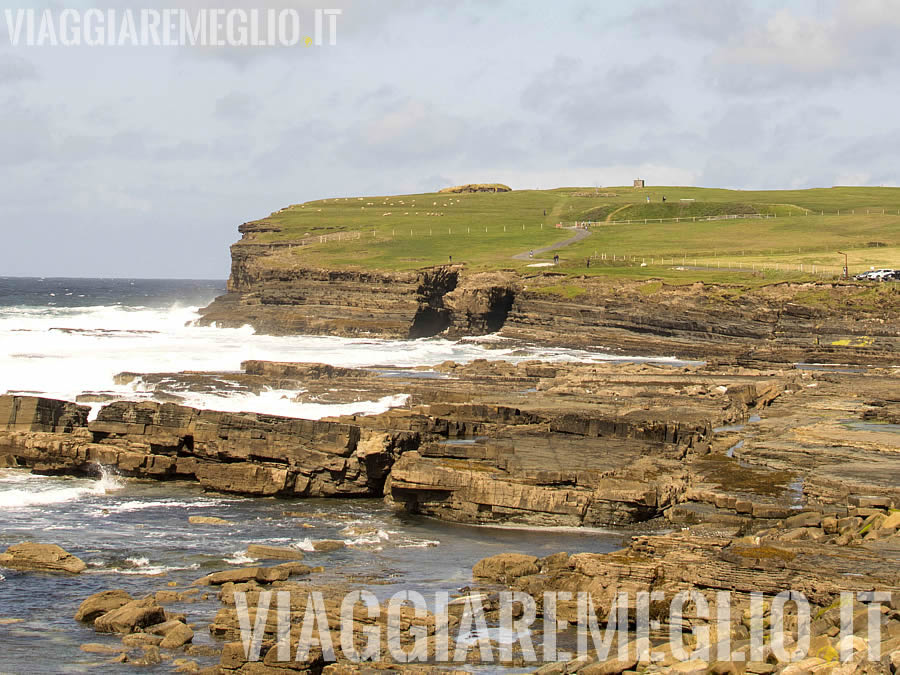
(484,230)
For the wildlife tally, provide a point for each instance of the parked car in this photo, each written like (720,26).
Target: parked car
(876,275)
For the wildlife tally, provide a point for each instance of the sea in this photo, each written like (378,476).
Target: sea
(65,338)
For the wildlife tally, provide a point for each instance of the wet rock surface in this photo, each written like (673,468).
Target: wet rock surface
(31,557)
(766,478)
(538,443)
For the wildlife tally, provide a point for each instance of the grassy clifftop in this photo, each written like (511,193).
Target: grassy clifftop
(803,229)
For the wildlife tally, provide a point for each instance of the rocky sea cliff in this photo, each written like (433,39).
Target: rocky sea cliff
(757,450)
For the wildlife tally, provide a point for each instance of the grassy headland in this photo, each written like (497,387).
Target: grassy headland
(801,234)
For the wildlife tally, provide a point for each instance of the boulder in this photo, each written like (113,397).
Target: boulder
(31,557)
(178,636)
(100,603)
(186,666)
(263,575)
(131,617)
(96,648)
(207,520)
(803,666)
(871,501)
(327,545)
(151,657)
(505,567)
(610,666)
(263,552)
(295,569)
(233,655)
(892,522)
(167,597)
(805,519)
(141,640)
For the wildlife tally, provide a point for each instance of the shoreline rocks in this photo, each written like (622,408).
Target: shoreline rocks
(131,617)
(581,444)
(101,603)
(32,557)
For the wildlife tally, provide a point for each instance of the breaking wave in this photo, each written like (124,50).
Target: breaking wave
(39,491)
(62,352)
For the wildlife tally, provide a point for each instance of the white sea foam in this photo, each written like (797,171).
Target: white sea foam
(40,491)
(419,543)
(239,558)
(137,505)
(305,545)
(369,539)
(147,569)
(63,352)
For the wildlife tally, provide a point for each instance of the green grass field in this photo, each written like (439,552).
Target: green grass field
(484,230)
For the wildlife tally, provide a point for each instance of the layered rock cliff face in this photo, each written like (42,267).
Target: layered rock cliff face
(783,323)
(269,291)
(241,453)
(493,442)
(777,323)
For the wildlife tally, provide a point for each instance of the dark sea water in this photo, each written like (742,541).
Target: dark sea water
(135,535)
(66,293)
(64,337)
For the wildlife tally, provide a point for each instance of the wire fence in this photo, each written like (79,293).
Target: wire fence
(713,260)
(733,216)
(673,219)
(698,263)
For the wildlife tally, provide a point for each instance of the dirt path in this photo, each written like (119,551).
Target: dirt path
(618,210)
(579,235)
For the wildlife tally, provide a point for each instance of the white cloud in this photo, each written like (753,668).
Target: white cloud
(855,40)
(15,69)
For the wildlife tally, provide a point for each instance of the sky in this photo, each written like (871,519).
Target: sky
(120,161)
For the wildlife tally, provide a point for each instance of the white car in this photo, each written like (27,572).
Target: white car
(876,275)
